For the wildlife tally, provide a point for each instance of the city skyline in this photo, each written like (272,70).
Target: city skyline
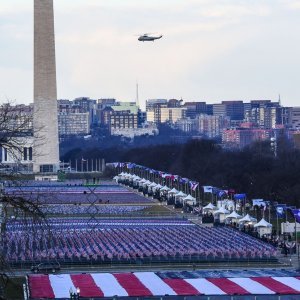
(211,51)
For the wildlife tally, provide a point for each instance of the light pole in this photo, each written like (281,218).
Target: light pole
(74,295)
(274,144)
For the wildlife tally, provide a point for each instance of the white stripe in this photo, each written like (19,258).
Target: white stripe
(109,285)
(292,282)
(154,284)
(205,287)
(253,287)
(61,285)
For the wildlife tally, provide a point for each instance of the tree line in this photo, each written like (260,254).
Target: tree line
(255,170)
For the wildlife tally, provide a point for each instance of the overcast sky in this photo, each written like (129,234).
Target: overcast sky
(212,50)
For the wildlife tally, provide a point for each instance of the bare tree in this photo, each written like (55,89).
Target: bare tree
(16,145)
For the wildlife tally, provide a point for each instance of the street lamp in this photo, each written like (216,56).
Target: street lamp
(74,295)
(274,144)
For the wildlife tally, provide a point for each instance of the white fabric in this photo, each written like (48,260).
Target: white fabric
(189,197)
(209,206)
(263,223)
(292,282)
(181,194)
(61,285)
(165,188)
(205,287)
(154,284)
(234,215)
(173,191)
(247,218)
(109,285)
(253,287)
(221,210)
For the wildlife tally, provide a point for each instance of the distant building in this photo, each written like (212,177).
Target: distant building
(294,119)
(239,138)
(73,123)
(195,108)
(212,126)
(187,125)
(265,113)
(171,115)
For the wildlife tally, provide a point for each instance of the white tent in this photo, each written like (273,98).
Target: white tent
(158,187)
(221,211)
(147,182)
(220,214)
(209,206)
(153,184)
(263,227)
(181,194)
(173,191)
(116,178)
(189,199)
(165,188)
(234,215)
(247,218)
(263,223)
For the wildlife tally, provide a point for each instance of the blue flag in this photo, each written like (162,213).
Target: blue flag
(280,210)
(239,196)
(296,213)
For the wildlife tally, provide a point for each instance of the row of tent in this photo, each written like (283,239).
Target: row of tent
(222,213)
(263,227)
(182,197)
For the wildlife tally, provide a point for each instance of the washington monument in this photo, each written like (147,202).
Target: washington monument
(46,151)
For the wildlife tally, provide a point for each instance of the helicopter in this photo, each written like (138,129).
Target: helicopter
(146,37)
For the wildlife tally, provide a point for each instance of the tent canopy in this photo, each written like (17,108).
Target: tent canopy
(189,197)
(181,194)
(234,215)
(209,206)
(263,223)
(173,191)
(248,218)
(221,210)
(165,188)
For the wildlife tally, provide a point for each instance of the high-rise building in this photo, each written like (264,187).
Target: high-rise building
(46,147)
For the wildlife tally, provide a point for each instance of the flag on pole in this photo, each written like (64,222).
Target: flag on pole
(193,185)
(296,213)
(280,210)
(208,189)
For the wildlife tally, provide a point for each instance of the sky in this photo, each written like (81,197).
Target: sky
(211,50)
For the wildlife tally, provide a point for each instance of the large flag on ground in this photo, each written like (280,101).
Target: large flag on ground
(296,213)
(280,210)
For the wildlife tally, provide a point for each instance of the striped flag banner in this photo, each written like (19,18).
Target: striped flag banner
(145,284)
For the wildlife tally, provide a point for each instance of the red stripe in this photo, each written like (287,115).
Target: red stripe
(87,285)
(40,287)
(181,287)
(132,285)
(274,285)
(228,286)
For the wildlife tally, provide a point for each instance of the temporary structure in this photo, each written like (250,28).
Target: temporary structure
(247,219)
(234,215)
(173,191)
(189,200)
(209,206)
(263,227)
(220,214)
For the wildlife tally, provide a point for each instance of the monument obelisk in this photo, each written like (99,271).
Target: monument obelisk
(45,122)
